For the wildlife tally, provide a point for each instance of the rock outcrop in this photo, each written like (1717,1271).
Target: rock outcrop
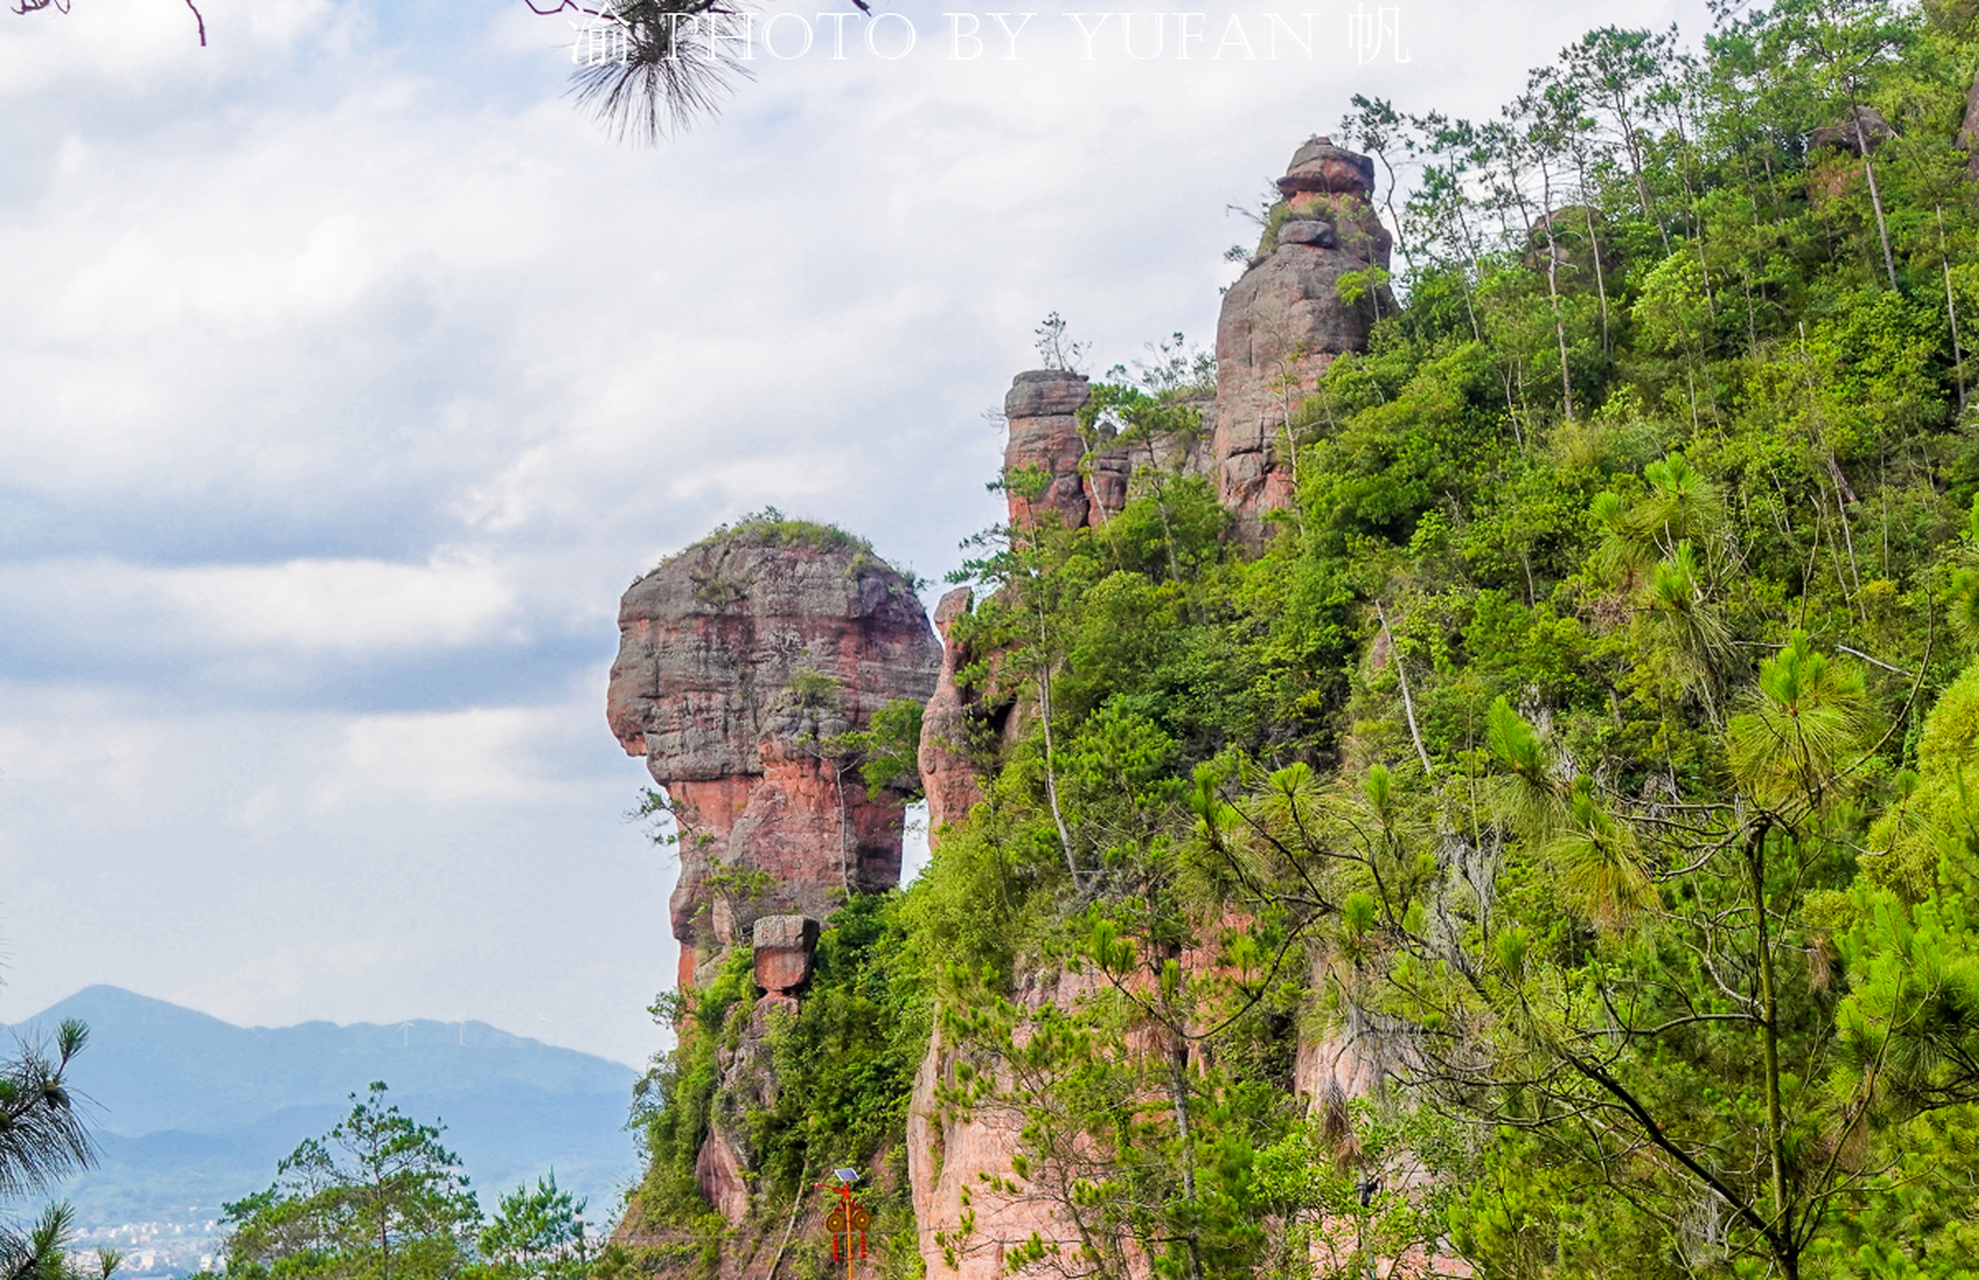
(742,663)
(1282,324)
(783,947)
(1839,154)
(1859,135)
(749,1085)
(746,660)
(1285,321)
(1041,455)
(958,1168)
(1968,131)
(1051,471)
(970,1213)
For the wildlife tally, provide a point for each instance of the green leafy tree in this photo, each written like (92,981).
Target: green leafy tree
(374,1198)
(1616,986)
(537,1232)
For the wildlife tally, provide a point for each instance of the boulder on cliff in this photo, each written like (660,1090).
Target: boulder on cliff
(1858,134)
(744,662)
(783,947)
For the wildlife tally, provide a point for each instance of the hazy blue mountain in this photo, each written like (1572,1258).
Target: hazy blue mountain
(191,1111)
(153,1065)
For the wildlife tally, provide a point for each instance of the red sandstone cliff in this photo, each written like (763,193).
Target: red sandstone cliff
(741,661)
(948,769)
(1282,324)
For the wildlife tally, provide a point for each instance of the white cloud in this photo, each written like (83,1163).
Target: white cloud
(338,608)
(342,605)
(155,46)
(485,754)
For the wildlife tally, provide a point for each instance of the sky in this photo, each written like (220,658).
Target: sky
(348,374)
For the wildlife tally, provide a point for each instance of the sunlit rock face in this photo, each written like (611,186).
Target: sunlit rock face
(1285,321)
(740,661)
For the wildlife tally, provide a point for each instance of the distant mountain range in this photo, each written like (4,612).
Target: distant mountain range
(191,1111)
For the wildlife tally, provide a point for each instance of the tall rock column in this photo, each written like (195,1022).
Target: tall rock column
(742,663)
(1284,322)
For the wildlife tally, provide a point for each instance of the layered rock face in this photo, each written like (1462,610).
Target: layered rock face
(951,1159)
(1284,322)
(1281,325)
(1050,477)
(740,661)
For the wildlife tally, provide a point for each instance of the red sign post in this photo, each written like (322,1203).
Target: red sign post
(845,1221)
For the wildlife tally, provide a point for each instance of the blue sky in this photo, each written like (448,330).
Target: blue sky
(347,375)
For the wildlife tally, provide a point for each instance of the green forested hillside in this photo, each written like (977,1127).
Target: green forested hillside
(1587,751)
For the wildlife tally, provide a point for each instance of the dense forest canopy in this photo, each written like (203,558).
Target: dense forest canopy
(1586,758)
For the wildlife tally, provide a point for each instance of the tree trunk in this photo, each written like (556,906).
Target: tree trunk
(1783,1226)
(1408,703)
(1875,196)
(1050,752)
(1594,248)
(1178,1087)
(1553,288)
(1951,304)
